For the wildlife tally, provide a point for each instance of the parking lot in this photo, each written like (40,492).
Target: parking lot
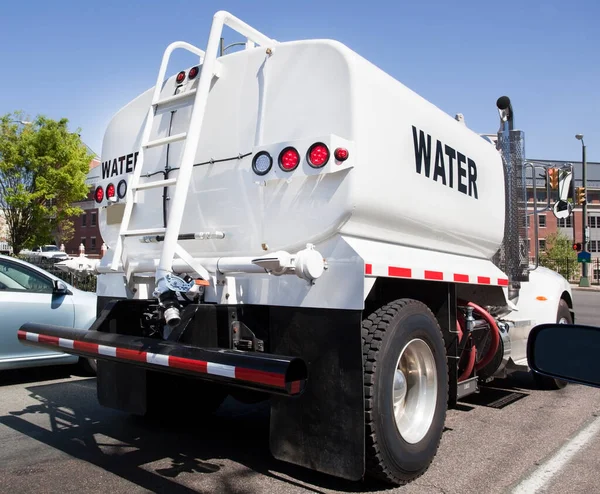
(56,438)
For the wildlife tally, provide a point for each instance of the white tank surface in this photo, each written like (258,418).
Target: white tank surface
(413,175)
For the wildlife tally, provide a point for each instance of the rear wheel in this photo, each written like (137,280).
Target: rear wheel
(563,316)
(406,390)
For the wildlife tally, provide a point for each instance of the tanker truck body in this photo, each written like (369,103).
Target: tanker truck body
(290,223)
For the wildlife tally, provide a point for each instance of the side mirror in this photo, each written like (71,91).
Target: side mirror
(60,288)
(562,209)
(566,351)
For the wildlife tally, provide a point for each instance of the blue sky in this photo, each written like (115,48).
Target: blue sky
(85,59)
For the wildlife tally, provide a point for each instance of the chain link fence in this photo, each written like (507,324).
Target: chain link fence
(85,282)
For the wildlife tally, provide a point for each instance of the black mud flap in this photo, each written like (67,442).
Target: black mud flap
(324,428)
(122,387)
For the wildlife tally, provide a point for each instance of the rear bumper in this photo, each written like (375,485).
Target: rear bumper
(265,372)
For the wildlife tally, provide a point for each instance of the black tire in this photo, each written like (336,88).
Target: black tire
(89,365)
(389,457)
(546,382)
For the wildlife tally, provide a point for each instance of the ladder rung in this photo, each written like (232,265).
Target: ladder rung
(175,97)
(166,140)
(156,183)
(143,231)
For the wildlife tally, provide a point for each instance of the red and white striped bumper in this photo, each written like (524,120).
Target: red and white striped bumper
(266,372)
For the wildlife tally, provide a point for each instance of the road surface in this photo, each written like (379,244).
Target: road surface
(56,438)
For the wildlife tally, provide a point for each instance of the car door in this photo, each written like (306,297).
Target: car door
(26,295)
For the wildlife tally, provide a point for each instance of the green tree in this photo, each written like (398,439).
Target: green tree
(43,168)
(560,256)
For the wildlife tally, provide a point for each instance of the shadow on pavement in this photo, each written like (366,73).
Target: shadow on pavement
(127,446)
(38,374)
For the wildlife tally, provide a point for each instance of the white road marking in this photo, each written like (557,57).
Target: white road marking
(542,475)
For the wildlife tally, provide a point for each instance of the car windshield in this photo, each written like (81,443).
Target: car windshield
(49,248)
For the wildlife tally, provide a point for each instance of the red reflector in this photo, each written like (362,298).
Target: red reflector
(289,159)
(193,73)
(110,191)
(180,77)
(318,155)
(99,194)
(341,154)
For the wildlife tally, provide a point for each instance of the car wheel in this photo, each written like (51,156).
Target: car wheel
(89,365)
(406,390)
(563,316)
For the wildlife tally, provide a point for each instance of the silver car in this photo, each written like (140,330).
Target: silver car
(30,294)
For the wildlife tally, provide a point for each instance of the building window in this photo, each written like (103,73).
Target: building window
(592,222)
(542,244)
(542,220)
(93,218)
(83,241)
(84,219)
(593,246)
(565,222)
(93,243)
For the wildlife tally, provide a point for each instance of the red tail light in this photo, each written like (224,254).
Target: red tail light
(180,77)
(99,194)
(289,159)
(193,73)
(318,155)
(341,154)
(110,191)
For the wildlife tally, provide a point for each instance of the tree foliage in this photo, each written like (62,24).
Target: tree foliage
(43,168)
(560,256)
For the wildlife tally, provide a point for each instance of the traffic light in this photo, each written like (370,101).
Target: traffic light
(577,246)
(579,195)
(553,177)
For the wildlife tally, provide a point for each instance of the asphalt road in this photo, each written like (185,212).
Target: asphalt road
(56,438)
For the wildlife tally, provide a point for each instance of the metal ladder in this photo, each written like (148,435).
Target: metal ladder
(210,68)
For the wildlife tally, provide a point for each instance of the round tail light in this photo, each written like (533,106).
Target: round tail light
(122,189)
(289,159)
(110,191)
(193,73)
(341,154)
(262,163)
(318,155)
(180,77)
(99,194)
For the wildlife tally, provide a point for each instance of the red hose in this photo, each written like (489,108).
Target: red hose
(495,336)
(470,364)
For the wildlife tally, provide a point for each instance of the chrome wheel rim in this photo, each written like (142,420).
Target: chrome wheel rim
(414,391)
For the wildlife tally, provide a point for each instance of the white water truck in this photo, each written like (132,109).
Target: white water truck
(290,223)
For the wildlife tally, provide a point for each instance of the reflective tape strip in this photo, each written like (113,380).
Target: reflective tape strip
(64,343)
(221,370)
(109,351)
(404,272)
(157,359)
(32,336)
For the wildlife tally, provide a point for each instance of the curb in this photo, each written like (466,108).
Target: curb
(594,288)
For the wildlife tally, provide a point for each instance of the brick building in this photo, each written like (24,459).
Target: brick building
(87,231)
(572,226)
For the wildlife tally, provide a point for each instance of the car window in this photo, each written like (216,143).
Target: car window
(49,248)
(16,277)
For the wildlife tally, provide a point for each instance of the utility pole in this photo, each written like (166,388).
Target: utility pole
(584,281)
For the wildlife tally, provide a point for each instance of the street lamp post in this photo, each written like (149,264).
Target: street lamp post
(223,48)
(584,281)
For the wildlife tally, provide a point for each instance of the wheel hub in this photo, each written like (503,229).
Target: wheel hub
(414,391)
